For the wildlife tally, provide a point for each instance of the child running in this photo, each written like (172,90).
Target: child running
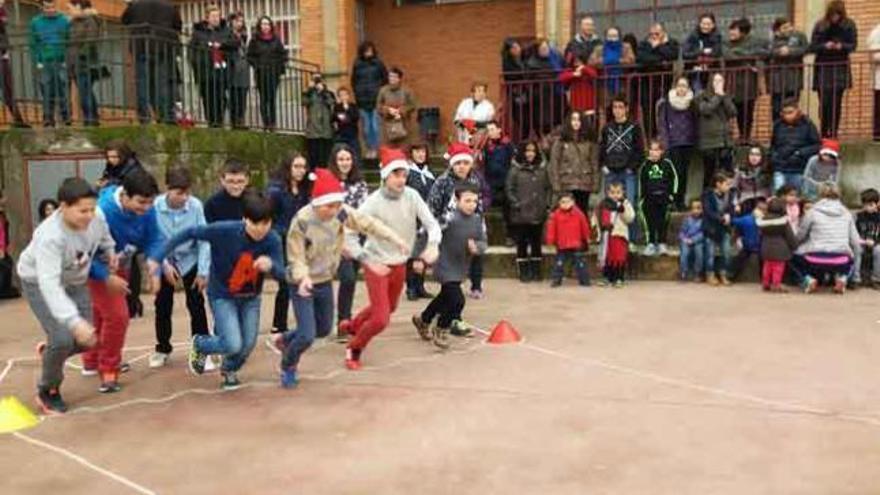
(241,252)
(314,245)
(463,237)
(54,270)
(612,217)
(400,208)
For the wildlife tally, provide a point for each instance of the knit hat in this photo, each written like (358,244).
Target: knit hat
(392,159)
(830,147)
(457,152)
(326,188)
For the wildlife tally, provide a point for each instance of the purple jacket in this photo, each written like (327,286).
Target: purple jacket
(675,128)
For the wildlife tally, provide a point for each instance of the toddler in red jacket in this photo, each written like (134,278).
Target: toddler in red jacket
(569,232)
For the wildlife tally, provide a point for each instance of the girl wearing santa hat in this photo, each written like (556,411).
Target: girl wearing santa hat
(314,247)
(401,208)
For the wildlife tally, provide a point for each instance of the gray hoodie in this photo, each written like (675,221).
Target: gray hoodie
(455,258)
(828,228)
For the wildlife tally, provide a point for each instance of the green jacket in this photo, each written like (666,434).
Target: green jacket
(49,37)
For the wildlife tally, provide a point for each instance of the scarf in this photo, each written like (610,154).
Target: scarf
(611,52)
(680,102)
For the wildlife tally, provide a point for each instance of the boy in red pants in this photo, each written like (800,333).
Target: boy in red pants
(129,212)
(400,208)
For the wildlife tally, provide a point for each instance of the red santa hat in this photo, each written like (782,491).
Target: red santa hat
(392,159)
(830,147)
(458,152)
(326,188)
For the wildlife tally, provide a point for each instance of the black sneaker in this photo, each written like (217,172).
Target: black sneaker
(109,385)
(230,381)
(423,328)
(196,359)
(124,368)
(440,337)
(460,329)
(50,401)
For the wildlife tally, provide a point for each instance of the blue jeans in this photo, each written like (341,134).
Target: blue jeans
(314,318)
(718,248)
(787,178)
(154,85)
(630,186)
(88,102)
(370,125)
(236,324)
(54,84)
(574,257)
(688,252)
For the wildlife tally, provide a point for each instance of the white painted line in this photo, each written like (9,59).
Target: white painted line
(85,462)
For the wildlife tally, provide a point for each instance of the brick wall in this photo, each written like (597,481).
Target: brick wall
(442,49)
(311,31)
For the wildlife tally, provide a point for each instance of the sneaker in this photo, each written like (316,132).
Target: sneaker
(88,371)
(124,367)
(159,359)
(724,281)
(196,359)
(353,359)
(476,294)
(712,280)
(809,285)
(663,249)
(424,329)
(109,383)
(289,379)
(683,278)
(50,402)
(839,285)
(604,283)
(618,284)
(650,250)
(440,337)
(230,381)
(461,329)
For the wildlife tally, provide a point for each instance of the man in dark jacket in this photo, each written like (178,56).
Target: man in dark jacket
(211,46)
(156,34)
(367,77)
(583,43)
(785,76)
(6,92)
(655,55)
(795,139)
(744,56)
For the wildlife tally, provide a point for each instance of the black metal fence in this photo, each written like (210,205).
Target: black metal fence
(140,74)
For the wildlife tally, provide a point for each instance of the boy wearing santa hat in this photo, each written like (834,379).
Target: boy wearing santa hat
(401,208)
(314,246)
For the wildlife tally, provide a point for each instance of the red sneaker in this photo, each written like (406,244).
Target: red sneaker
(353,359)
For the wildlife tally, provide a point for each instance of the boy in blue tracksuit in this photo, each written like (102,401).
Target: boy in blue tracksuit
(131,217)
(241,253)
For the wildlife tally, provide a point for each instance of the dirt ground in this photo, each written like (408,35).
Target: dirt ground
(657,388)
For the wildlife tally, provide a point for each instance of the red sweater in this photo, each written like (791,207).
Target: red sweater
(583,90)
(568,229)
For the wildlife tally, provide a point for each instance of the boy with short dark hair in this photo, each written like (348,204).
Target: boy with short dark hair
(568,230)
(241,252)
(658,185)
(718,209)
(463,237)
(868,225)
(54,269)
(188,266)
(690,238)
(227,203)
(129,212)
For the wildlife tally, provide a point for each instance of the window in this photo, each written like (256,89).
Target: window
(679,16)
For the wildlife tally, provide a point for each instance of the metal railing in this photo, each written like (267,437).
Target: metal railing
(142,74)
(838,97)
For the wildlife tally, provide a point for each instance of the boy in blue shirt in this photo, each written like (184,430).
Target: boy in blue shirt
(176,211)
(131,217)
(242,252)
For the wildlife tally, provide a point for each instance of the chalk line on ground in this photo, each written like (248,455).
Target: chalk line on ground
(85,462)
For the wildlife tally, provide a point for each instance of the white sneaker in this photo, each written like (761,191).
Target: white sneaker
(159,359)
(88,372)
(663,250)
(650,250)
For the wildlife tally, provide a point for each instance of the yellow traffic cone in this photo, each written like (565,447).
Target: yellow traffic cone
(15,416)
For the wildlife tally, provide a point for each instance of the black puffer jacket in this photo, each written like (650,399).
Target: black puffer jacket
(832,66)
(528,192)
(367,78)
(697,42)
(267,56)
(202,55)
(792,145)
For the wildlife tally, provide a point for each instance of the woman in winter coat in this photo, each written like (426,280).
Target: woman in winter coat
(743,58)
(574,162)
(368,75)
(828,240)
(785,74)
(528,193)
(268,57)
(239,72)
(715,108)
(834,38)
(83,58)
(517,93)
(702,51)
(677,130)
(396,105)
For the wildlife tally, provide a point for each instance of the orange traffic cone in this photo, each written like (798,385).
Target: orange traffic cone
(503,333)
